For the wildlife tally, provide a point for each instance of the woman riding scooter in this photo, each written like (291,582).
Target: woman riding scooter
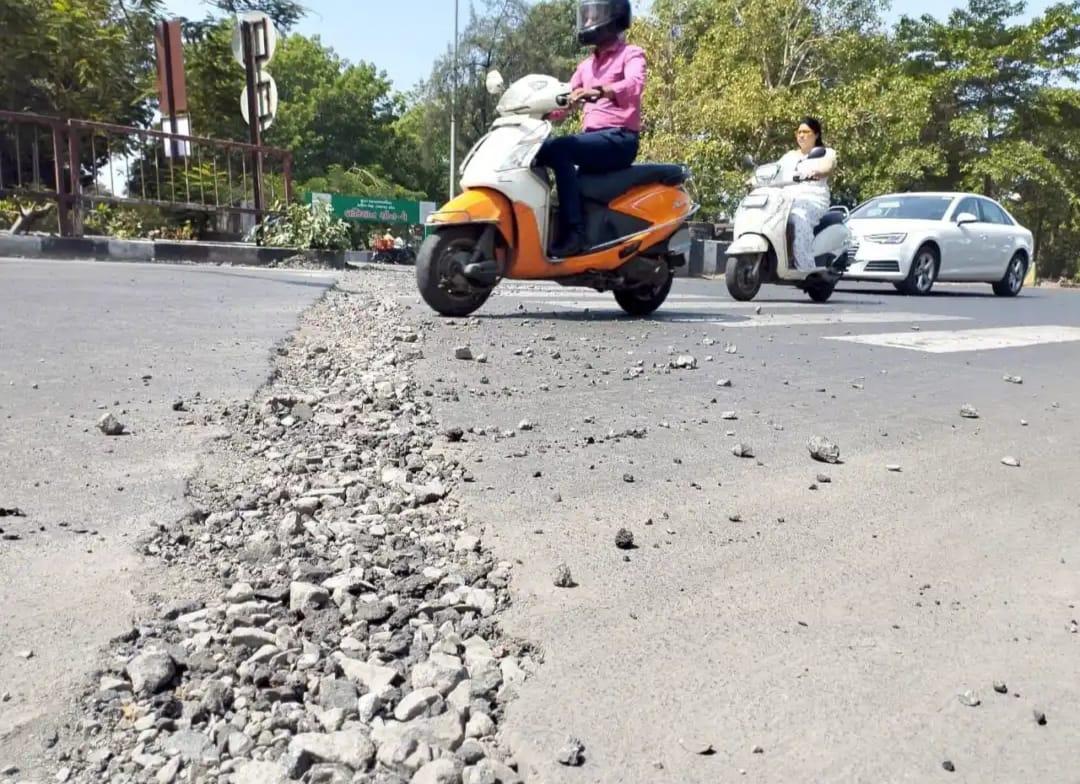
(610,82)
(812,193)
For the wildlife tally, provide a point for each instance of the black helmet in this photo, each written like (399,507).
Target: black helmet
(601,21)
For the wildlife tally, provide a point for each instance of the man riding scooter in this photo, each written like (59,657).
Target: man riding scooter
(610,83)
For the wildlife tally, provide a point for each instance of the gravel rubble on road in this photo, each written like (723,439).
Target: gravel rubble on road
(348,632)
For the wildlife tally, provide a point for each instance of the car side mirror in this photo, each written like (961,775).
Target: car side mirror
(817,152)
(966,217)
(494,83)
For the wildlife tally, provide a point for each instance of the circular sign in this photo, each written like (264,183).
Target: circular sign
(266,99)
(265,37)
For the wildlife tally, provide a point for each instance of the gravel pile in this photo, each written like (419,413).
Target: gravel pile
(348,633)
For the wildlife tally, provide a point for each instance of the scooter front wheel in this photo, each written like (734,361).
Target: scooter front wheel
(440,272)
(743,276)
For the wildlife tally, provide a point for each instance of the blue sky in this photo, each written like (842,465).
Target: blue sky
(403,38)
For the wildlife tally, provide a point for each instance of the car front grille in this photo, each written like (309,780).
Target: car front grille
(882,266)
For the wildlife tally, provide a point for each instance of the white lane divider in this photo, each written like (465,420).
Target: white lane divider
(942,342)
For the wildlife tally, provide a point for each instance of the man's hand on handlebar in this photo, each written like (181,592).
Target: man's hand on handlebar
(586,95)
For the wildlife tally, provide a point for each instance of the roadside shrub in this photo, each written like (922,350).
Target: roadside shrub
(305,227)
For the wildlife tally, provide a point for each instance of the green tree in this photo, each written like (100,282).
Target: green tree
(87,59)
(1005,112)
(330,111)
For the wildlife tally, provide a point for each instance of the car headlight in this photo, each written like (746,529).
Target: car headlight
(886,239)
(523,150)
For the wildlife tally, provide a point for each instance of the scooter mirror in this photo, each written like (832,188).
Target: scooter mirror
(817,152)
(748,161)
(495,83)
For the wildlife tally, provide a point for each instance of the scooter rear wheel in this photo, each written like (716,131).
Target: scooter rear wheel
(820,291)
(743,276)
(440,272)
(638,302)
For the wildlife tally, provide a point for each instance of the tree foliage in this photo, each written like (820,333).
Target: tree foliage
(91,59)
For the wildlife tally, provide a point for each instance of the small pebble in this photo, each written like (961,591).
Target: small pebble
(624,539)
(947,764)
(1000,687)
(1010,461)
(1040,717)
(742,450)
(572,754)
(563,578)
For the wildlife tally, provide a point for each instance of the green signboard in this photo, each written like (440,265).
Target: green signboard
(364,209)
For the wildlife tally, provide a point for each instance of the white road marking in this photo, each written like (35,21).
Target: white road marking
(968,339)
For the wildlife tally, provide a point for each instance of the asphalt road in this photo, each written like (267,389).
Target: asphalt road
(790,633)
(77,339)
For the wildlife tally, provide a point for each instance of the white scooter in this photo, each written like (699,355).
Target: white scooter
(762,250)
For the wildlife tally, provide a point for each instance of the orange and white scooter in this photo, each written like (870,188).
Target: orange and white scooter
(500,225)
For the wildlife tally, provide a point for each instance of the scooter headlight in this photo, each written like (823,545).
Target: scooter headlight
(524,150)
(754,201)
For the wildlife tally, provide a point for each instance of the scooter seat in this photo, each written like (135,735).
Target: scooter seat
(831,218)
(606,187)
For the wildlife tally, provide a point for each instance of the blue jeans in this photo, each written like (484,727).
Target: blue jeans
(592,152)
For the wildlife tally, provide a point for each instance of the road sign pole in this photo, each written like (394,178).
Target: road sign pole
(254,116)
(167,46)
(453,108)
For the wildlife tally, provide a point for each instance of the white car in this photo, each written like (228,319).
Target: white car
(914,239)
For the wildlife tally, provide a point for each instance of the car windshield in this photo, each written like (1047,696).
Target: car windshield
(904,208)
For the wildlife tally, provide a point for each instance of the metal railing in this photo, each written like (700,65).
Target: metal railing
(115,164)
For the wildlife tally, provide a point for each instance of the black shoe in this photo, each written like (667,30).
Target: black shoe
(570,245)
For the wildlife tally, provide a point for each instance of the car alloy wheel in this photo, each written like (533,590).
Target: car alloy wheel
(924,271)
(1016,274)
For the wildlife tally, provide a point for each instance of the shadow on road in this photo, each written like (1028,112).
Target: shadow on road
(935,294)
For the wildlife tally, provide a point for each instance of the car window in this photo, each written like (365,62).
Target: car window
(903,208)
(991,213)
(967,205)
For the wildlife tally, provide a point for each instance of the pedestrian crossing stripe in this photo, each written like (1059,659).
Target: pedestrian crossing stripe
(984,339)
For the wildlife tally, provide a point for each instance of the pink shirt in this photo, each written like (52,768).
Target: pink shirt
(621,68)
